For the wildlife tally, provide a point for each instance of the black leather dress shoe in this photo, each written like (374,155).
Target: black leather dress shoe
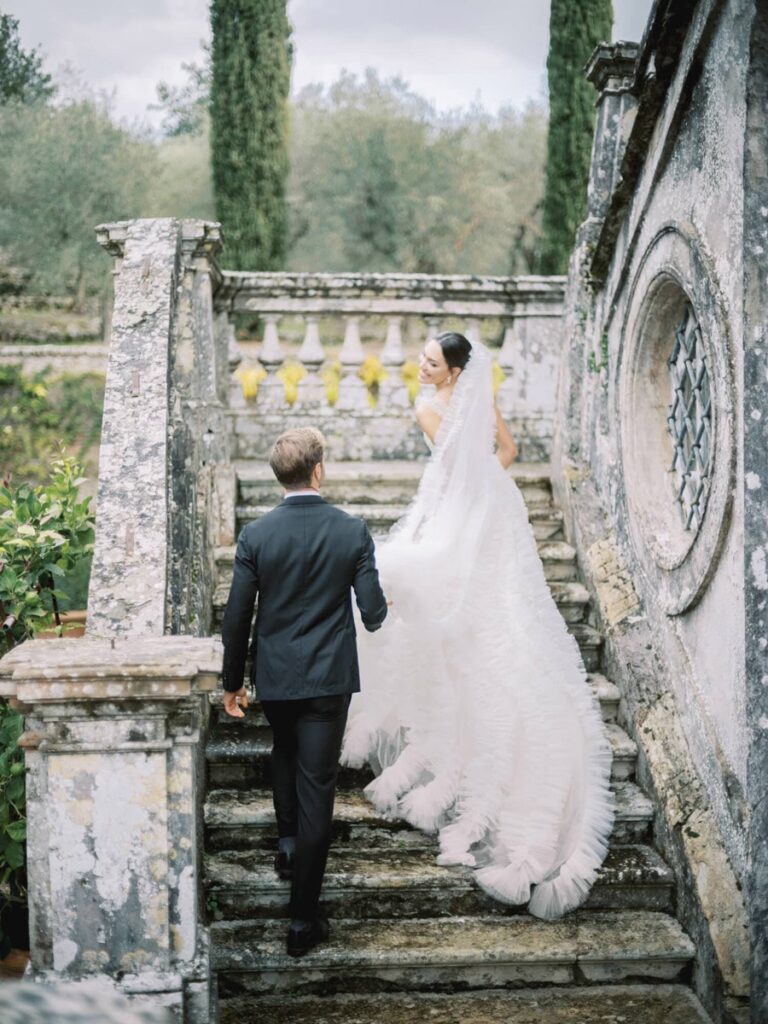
(301,941)
(284,865)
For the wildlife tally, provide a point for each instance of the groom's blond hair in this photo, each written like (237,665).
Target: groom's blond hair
(295,455)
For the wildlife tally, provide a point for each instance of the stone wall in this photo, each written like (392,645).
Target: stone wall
(68,358)
(662,255)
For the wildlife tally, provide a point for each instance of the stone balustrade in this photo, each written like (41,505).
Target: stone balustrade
(519,316)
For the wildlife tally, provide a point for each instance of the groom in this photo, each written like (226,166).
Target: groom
(302,559)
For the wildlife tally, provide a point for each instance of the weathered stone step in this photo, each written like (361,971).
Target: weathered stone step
(240,757)
(572,598)
(606,1004)
(547,522)
(454,953)
(558,558)
(409,883)
(246,820)
(607,693)
(391,482)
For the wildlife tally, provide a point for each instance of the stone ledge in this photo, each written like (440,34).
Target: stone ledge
(96,668)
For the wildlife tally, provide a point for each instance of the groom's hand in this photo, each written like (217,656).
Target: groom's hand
(232,698)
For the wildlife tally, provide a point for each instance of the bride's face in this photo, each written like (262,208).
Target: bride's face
(433,368)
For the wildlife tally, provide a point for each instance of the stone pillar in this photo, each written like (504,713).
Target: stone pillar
(164,429)
(115,779)
(129,571)
(611,69)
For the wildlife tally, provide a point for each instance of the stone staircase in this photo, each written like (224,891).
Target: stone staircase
(411,940)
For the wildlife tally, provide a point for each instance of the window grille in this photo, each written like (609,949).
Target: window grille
(689,419)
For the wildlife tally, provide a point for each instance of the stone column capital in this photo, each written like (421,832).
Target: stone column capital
(612,66)
(112,237)
(200,239)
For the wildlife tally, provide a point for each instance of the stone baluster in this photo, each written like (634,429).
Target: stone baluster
(271,394)
(312,357)
(353,393)
(472,330)
(113,748)
(433,328)
(392,391)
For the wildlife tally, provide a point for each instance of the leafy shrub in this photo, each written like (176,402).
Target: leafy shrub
(13,822)
(45,532)
(46,535)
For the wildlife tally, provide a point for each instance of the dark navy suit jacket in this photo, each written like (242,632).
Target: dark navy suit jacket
(302,559)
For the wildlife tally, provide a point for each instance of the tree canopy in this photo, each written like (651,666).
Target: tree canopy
(65,169)
(21,71)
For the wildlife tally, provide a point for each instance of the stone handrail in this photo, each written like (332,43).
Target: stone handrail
(389,294)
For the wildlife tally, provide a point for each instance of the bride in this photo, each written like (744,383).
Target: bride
(475,712)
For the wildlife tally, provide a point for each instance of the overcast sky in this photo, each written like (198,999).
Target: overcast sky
(453,52)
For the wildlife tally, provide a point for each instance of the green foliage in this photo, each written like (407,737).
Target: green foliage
(65,169)
(575,28)
(21,72)
(46,534)
(185,107)
(381,181)
(42,412)
(183,187)
(13,821)
(251,67)
(45,531)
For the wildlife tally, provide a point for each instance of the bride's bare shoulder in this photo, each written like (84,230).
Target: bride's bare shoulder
(429,413)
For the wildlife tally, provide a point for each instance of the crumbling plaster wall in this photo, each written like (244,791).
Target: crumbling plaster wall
(676,646)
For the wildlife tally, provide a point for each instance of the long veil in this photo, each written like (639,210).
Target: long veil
(475,712)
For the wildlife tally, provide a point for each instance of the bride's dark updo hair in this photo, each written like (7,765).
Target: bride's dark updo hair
(456,349)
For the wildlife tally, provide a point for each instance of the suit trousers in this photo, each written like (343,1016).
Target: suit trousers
(307,735)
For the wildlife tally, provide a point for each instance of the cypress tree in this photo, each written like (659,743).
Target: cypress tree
(575,29)
(251,71)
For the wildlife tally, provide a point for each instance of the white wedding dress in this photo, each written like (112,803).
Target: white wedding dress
(475,712)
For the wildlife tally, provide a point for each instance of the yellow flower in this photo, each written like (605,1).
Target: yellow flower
(410,375)
(372,372)
(290,373)
(250,377)
(331,376)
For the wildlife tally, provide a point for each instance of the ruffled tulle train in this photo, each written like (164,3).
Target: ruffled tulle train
(475,711)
